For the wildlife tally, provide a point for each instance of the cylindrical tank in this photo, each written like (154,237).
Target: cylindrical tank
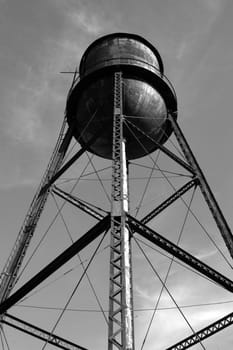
(147,95)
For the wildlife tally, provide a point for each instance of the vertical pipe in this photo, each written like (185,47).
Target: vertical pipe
(127,270)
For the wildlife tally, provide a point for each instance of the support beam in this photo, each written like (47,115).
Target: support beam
(206,191)
(69,163)
(204,333)
(40,333)
(163,149)
(169,201)
(180,253)
(120,329)
(14,262)
(74,249)
(82,205)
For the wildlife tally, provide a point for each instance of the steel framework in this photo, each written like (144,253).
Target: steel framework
(40,333)
(12,266)
(122,226)
(120,296)
(204,333)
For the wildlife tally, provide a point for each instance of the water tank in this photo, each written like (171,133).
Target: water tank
(147,95)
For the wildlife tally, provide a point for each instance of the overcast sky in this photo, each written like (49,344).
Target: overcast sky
(39,39)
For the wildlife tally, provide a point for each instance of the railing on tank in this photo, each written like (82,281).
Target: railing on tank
(128,60)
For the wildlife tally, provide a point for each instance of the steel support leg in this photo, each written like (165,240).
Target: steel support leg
(12,266)
(206,191)
(120,297)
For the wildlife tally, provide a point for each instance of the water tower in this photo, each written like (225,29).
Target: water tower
(121,107)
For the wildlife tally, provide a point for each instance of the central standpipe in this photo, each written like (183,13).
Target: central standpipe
(120,333)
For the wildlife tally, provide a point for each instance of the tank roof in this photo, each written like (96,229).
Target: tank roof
(124,35)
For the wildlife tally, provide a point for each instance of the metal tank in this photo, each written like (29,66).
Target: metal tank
(147,95)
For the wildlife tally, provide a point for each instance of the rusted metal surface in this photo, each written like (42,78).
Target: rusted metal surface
(120,46)
(147,95)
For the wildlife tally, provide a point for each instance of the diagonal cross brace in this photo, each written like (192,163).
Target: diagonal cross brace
(180,253)
(40,333)
(69,163)
(78,203)
(59,261)
(204,333)
(163,148)
(169,201)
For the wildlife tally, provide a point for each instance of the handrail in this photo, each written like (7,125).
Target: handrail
(126,60)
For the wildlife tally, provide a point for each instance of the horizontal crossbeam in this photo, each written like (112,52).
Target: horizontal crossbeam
(40,333)
(180,253)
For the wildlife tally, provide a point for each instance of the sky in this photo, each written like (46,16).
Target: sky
(41,39)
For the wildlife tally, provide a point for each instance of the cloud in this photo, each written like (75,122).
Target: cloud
(187,289)
(33,87)
(91,18)
(26,126)
(25,117)
(89,23)
(174,328)
(201,28)
(214,5)
(168,325)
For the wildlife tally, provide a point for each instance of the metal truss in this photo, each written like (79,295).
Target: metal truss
(180,253)
(204,333)
(59,261)
(78,203)
(97,213)
(163,149)
(204,186)
(12,266)
(52,173)
(66,166)
(195,169)
(40,333)
(169,201)
(120,329)
(219,219)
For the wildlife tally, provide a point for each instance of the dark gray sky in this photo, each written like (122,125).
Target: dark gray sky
(39,39)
